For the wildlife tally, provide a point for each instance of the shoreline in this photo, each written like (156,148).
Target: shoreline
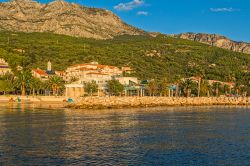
(126,102)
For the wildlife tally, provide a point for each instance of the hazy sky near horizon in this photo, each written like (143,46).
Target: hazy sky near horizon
(230,18)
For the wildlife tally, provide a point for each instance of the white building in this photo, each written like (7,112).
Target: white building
(4,67)
(99,78)
(127,81)
(81,70)
(98,73)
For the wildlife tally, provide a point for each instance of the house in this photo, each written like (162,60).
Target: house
(60,73)
(99,78)
(127,70)
(128,81)
(80,70)
(100,74)
(4,67)
(229,84)
(74,90)
(40,74)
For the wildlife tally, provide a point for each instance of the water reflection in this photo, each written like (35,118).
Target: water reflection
(192,135)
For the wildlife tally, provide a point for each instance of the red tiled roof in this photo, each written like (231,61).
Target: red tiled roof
(97,73)
(85,68)
(61,72)
(77,65)
(97,65)
(103,66)
(40,72)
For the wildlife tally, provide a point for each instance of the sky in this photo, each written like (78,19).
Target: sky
(230,18)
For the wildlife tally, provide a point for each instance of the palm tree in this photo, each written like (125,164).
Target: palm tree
(230,77)
(23,80)
(56,83)
(217,86)
(187,85)
(226,89)
(152,87)
(205,88)
(209,90)
(36,85)
(177,80)
(237,88)
(163,86)
(199,73)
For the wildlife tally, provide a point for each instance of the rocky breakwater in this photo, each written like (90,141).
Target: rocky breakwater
(130,102)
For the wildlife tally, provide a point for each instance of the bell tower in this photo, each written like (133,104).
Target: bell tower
(49,66)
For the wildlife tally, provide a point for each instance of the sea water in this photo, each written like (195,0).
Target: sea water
(146,136)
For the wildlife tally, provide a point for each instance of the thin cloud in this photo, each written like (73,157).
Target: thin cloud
(142,13)
(224,10)
(129,5)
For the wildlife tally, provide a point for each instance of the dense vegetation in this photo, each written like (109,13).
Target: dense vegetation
(151,57)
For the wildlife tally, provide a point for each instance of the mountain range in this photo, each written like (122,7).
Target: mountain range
(61,17)
(217,40)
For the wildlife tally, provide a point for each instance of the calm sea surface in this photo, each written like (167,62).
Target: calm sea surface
(154,136)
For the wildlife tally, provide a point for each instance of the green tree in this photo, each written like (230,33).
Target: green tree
(73,79)
(114,87)
(90,87)
(6,86)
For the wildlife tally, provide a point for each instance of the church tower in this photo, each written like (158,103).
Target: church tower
(49,66)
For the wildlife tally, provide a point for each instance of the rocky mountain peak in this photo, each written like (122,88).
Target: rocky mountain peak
(217,40)
(60,3)
(23,3)
(62,17)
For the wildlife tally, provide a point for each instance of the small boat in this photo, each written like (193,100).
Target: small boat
(70,100)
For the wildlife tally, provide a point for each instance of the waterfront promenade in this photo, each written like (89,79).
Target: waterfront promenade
(34,99)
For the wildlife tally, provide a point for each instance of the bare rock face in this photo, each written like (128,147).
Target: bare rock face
(61,17)
(218,41)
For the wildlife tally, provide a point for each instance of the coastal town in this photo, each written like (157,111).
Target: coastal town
(94,79)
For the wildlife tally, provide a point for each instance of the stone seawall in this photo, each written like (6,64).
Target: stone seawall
(126,102)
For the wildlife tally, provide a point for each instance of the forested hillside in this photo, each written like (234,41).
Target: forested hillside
(151,57)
